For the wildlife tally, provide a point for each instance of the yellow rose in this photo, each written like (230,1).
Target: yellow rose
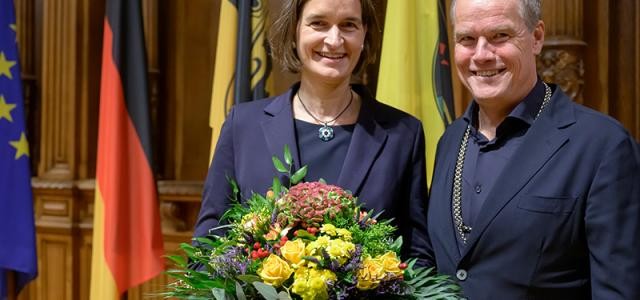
(390,263)
(370,274)
(293,251)
(274,270)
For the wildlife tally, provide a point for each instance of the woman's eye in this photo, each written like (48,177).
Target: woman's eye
(317,24)
(350,26)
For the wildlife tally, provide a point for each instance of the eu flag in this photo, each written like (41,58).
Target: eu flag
(17,228)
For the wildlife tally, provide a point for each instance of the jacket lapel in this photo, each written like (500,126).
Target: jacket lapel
(449,159)
(367,141)
(543,139)
(278,127)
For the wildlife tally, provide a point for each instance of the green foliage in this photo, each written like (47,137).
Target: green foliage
(425,283)
(375,239)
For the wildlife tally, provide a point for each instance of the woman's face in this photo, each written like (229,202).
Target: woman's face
(330,38)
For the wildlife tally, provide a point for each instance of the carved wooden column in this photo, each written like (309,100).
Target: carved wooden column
(60,50)
(562,58)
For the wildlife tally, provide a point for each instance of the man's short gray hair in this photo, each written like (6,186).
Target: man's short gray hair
(530,11)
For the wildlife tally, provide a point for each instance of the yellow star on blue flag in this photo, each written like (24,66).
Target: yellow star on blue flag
(17,226)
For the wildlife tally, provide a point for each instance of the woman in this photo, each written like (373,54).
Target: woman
(337,129)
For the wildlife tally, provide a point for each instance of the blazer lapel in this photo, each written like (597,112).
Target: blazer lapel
(367,141)
(278,127)
(543,139)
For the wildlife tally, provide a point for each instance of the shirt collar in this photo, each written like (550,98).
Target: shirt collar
(526,110)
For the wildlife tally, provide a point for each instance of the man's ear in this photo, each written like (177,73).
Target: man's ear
(538,37)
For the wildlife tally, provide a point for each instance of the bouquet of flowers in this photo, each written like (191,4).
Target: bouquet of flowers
(308,241)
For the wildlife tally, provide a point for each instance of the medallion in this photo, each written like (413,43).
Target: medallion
(325,133)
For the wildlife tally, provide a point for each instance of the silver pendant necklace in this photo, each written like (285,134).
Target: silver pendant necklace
(456,198)
(325,133)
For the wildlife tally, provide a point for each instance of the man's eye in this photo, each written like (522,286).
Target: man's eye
(466,40)
(500,37)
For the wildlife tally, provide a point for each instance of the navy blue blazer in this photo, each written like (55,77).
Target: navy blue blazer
(384,166)
(563,220)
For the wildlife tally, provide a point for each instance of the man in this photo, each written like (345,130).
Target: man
(533,196)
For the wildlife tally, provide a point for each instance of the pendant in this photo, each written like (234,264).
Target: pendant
(325,133)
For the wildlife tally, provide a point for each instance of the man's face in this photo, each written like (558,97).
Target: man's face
(495,51)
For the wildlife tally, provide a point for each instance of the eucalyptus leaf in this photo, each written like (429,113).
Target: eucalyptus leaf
(284,296)
(279,165)
(298,175)
(218,293)
(239,292)
(267,291)
(287,155)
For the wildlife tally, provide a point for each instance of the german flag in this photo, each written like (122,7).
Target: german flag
(127,240)
(415,73)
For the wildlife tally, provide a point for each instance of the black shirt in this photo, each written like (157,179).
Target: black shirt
(323,159)
(485,159)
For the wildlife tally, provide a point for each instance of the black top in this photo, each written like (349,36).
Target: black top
(323,159)
(485,159)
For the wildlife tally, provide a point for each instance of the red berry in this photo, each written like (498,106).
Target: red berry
(402,266)
(283,240)
(256,246)
(295,233)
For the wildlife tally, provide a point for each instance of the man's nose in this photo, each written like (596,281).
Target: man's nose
(483,51)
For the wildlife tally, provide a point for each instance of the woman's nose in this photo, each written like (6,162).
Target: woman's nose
(334,37)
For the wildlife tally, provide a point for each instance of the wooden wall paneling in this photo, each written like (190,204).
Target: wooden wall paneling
(54,215)
(635,125)
(150,19)
(83,234)
(190,34)
(623,99)
(89,34)
(562,58)
(596,26)
(55,271)
(59,102)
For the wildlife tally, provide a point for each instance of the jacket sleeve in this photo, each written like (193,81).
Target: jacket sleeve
(419,239)
(216,197)
(612,223)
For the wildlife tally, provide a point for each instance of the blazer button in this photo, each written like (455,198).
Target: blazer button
(461,274)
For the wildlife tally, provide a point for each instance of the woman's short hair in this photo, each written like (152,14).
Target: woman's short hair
(282,35)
